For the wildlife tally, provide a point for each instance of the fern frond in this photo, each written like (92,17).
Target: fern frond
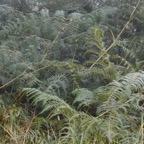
(96,35)
(132,81)
(125,95)
(103,14)
(48,101)
(5,10)
(83,97)
(57,83)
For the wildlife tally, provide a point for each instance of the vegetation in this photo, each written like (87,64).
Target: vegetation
(71,72)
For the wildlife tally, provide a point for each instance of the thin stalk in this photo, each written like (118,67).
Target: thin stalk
(115,41)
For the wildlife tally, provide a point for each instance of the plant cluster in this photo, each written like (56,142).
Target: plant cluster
(71,72)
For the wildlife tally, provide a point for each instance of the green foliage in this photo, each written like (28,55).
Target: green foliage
(71,72)
(56,84)
(126,97)
(95,39)
(121,113)
(83,96)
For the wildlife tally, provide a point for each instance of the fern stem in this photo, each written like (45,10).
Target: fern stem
(10,134)
(63,28)
(115,41)
(51,46)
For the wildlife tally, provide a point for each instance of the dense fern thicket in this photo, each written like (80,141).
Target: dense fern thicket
(71,72)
